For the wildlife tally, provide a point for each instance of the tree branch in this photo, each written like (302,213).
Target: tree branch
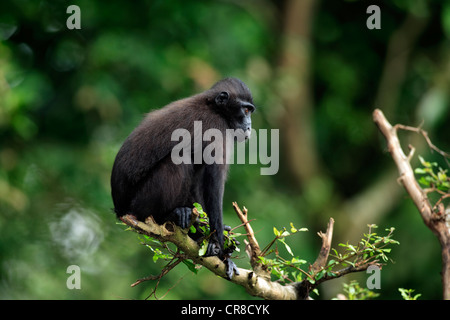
(404,167)
(253,249)
(321,260)
(425,135)
(257,281)
(435,221)
(256,285)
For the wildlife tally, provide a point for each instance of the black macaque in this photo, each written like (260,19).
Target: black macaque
(146,181)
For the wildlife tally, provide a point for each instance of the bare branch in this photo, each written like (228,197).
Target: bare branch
(254,249)
(404,167)
(419,130)
(172,264)
(321,260)
(435,221)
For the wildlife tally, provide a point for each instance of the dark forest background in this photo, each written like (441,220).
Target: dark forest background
(68,99)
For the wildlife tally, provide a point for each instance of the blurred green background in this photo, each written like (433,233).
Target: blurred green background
(69,98)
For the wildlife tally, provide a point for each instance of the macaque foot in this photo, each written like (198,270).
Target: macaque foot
(181,217)
(213,249)
(232,269)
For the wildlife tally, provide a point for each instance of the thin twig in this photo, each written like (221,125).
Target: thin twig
(172,264)
(425,135)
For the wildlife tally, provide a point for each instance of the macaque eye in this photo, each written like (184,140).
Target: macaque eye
(247,108)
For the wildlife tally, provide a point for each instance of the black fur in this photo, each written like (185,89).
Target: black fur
(144,179)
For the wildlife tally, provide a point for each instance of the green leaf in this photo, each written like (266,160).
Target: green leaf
(295,230)
(320,275)
(426,164)
(420,171)
(285,233)
(276,232)
(203,248)
(199,207)
(424,181)
(158,254)
(287,246)
(407,294)
(190,265)
(296,260)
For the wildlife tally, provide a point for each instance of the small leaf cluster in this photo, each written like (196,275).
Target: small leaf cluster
(161,251)
(280,236)
(202,226)
(407,294)
(371,249)
(285,270)
(433,176)
(353,291)
(203,222)
(200,230)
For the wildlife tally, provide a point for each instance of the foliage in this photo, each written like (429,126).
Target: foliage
(433,176)
(161,251)
(354,291)
(371,249)
(202,226)
(201,230)
(407,294)
(69,98)
(285,270)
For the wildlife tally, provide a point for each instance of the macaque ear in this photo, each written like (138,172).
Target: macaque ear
(222,98)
